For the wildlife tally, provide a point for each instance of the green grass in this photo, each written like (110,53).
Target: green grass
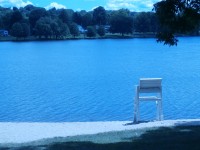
(177,138)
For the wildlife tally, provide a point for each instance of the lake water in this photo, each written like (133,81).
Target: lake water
(93,80)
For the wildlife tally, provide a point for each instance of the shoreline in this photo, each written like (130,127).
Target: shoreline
(39,133)
(82,37)
(109,36)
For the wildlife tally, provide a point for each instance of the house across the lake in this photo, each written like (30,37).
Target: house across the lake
(81,29)
(3,33)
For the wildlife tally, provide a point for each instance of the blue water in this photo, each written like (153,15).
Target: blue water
(93,80)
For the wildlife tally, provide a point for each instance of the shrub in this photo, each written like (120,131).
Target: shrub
(91,32)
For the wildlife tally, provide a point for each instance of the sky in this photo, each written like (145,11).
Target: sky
(133,5)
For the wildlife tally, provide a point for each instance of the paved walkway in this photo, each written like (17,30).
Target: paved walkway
(27,132)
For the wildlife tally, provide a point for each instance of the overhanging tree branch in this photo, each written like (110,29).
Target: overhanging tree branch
(176,16)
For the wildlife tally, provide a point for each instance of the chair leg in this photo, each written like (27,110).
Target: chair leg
(161,111)
(136,105)
(135,113)
(161,106)
(136,110)
(157,110)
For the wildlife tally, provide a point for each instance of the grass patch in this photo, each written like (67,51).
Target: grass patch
(177,138)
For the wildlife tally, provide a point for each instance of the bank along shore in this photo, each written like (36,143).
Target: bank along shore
(24,134)
(82,37)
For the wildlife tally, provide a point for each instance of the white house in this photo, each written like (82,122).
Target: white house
(3,33)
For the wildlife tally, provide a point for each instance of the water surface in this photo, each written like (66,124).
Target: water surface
(93,80)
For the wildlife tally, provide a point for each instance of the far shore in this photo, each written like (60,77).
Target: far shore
(107,36)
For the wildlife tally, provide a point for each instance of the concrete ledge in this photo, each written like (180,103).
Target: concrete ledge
(29,132)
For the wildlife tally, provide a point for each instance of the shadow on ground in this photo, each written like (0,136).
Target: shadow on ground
(175,138)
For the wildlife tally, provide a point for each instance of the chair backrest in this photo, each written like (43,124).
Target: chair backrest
(151,84)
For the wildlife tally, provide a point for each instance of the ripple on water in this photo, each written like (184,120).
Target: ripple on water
(93,80)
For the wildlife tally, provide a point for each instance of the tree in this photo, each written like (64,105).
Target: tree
(91,32)
(64,30)
(99,16)
(87,20)
(145,22)
(142,22)
(16,16)
(101,30)
(121,22)
(35,15)
(52,12)
(176,16)
(6,20)
(17,30)
(43,27)
(77,18)
(26,29)
(74,30)
(1,23)
(29,7)
(153,22)
(66,15)
(20,30)
(48,28)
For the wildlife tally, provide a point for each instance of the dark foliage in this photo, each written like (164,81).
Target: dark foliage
(74,30)
(43,27)
(87,20)
(20,30)
(91,31)
(145,22)
(16,16)
(176,16)
(171,17)
(121,22)
(35,15)
(101,30)
(77,18)
(99,16)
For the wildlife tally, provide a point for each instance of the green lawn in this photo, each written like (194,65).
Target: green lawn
(177,138)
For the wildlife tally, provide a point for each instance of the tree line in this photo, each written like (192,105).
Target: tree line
(61,23)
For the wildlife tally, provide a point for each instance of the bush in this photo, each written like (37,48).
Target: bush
(101,31)
(74,30)
(20,30)
(91,32)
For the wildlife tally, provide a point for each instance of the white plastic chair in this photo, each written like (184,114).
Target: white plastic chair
(146,87)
